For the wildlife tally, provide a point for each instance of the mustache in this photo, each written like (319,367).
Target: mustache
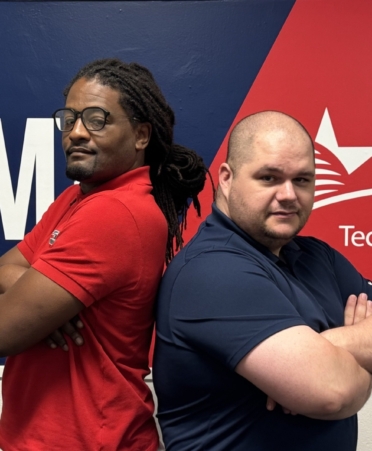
(81,149)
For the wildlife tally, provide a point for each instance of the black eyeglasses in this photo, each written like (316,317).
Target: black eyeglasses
(93,118)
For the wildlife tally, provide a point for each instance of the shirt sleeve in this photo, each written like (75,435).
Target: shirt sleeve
(29,243)
(97,251)
(32,240)
(225,306)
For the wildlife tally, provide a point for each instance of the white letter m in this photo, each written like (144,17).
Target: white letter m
(38,155)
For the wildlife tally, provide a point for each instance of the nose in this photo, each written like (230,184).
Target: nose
(79,132)
(286,192)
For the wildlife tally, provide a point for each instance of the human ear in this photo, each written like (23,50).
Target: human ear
(143,135)
(225,177)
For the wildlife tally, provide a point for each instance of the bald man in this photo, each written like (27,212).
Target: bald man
(262,343)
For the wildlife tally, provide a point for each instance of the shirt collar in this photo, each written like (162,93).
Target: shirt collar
(138,176)
(291,251)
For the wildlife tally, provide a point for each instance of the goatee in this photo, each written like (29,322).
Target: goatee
(78,173)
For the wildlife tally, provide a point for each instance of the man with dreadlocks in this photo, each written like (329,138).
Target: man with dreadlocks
(98,252)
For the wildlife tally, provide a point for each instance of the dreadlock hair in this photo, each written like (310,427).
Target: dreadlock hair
(176,172)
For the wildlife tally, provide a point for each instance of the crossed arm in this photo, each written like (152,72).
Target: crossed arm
(323,376)
(355,339)
(31,305)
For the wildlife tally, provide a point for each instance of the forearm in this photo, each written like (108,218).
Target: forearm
(31,309)
(9,274)
(356,339)
(305,373)
(351,387)
(360,393)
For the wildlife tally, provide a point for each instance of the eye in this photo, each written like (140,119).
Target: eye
(69,120)
(96,121)
(301,180)
(267,178)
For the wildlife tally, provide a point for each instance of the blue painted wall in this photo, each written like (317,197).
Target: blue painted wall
(204,55)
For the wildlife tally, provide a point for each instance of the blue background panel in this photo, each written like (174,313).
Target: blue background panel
(205,55)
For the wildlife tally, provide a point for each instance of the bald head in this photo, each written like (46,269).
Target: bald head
(249,131)
(266,187)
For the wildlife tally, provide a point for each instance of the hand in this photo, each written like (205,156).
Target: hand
(56,339)
(270,405)
(357,309)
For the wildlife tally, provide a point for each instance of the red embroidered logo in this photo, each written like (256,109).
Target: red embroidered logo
(53,237)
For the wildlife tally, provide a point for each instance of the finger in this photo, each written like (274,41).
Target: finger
(70,330)
(369,308)
(49,342)
(361,308)
(77,322)
(287,411)
(350,310)
(58,339)
(270,403)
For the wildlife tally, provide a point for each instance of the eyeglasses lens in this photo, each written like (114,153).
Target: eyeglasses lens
(94,119)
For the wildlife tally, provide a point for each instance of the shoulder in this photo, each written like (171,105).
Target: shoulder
(220,244)
(136,224)
(117,206)
(218,267)
(315,246)
(319,253)
(60,204)
(66,197)
(70,193)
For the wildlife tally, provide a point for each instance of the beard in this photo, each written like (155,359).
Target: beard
(274,238)
(262,226)
(277,235)
(78,173)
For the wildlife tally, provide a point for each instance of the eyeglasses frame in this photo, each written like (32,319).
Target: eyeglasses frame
(78,114)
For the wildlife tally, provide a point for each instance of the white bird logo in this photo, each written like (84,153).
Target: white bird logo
(328,181)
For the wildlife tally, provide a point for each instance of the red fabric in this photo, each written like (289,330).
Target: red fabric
(109,253)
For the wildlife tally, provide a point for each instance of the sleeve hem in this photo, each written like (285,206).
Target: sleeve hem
(25,250)
(257,339)
(64,281)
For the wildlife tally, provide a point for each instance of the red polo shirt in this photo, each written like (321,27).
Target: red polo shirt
(106,248)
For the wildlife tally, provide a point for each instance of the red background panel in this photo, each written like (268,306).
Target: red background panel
(322,59)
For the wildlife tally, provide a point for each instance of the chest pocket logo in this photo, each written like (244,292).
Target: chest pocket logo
(53,237)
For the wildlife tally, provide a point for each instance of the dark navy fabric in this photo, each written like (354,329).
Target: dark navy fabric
(223,294)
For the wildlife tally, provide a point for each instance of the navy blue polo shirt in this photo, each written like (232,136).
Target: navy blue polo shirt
(223,294)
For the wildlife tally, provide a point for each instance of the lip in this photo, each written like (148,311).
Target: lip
(284,214)
(79,151)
